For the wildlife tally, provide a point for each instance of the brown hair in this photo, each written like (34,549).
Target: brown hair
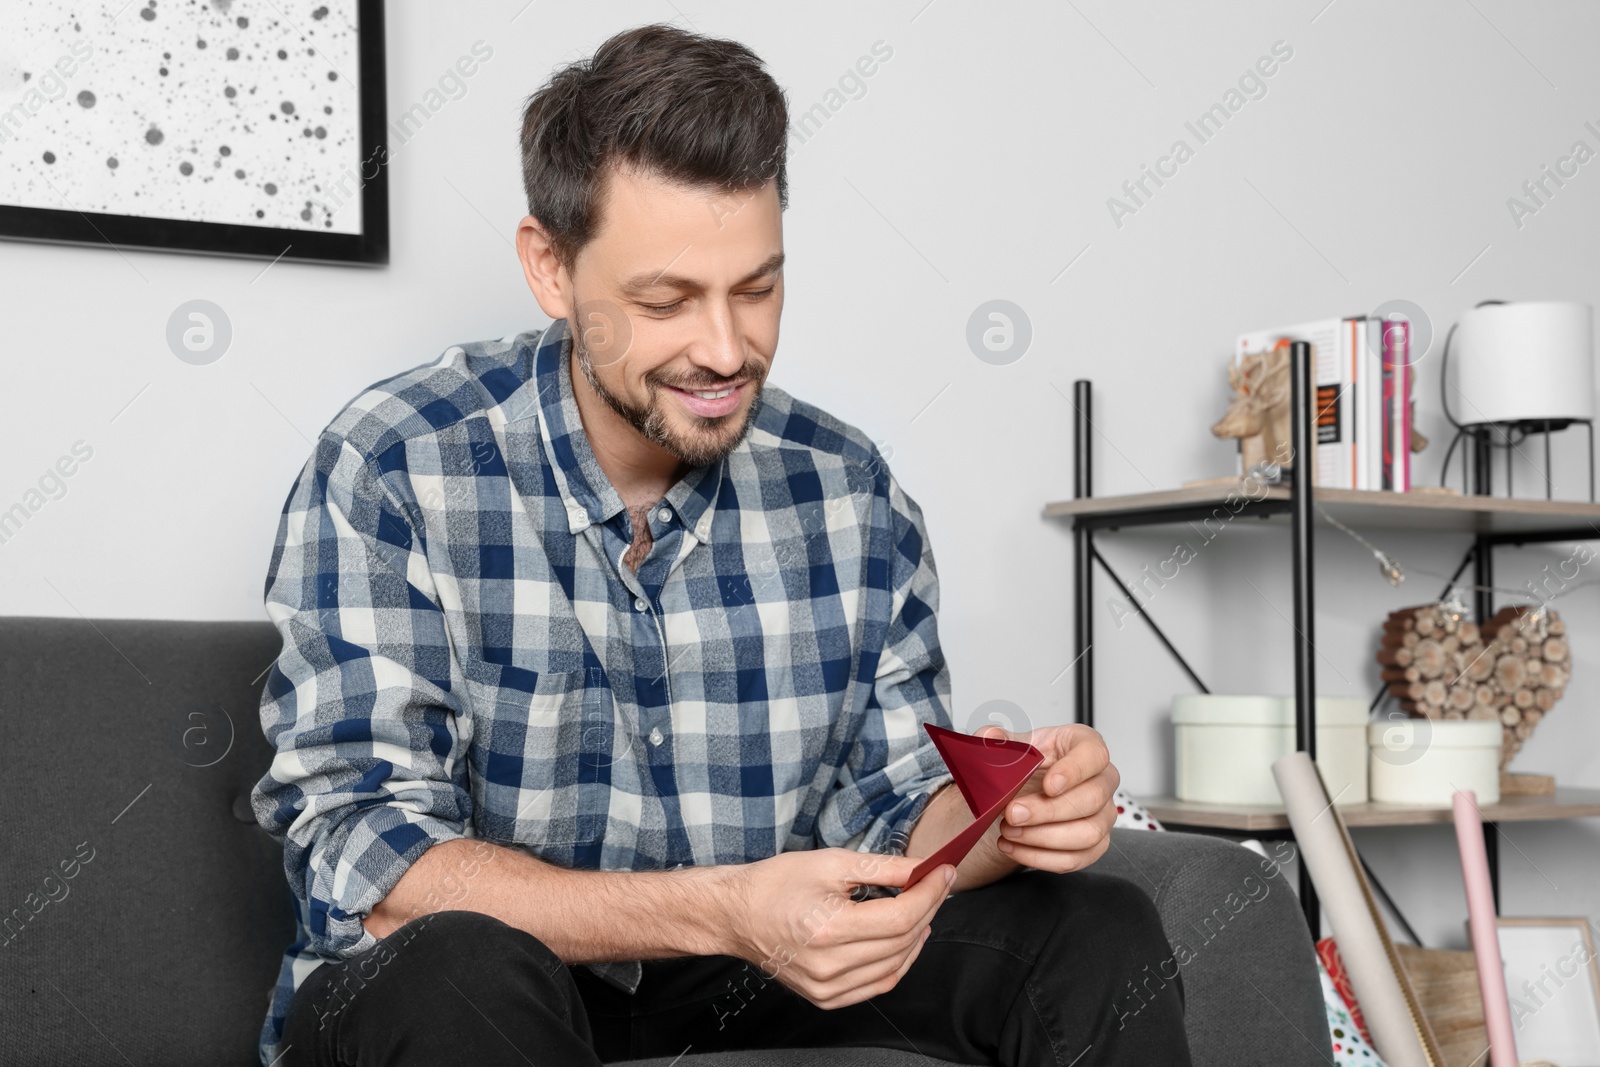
(693,109)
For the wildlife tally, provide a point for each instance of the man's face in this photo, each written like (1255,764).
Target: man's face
(675,307)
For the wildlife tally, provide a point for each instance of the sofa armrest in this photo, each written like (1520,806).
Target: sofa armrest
(1251,990)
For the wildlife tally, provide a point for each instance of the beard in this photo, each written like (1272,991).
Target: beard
(708,440)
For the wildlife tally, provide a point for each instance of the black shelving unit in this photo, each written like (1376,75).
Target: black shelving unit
(1298,504)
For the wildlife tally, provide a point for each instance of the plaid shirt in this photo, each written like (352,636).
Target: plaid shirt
(466,655)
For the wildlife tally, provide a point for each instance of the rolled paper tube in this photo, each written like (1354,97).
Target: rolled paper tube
(1388,1003)
(1485,933)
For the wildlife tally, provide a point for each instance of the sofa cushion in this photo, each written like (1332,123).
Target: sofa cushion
(144,911)
(1251,987)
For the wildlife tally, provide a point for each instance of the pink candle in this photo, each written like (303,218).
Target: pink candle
(1485,938)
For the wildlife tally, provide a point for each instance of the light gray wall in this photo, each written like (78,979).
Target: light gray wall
(977,166)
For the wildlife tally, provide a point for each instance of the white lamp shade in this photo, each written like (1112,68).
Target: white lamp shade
(1524,362)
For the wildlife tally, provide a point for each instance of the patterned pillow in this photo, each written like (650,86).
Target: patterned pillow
(1131,813)
(1348,1045)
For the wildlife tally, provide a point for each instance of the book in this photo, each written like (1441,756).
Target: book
(1389,375)
(1357,421)
(1364,379)
(1395,346)
(1372,427)
(1380,384)
(1404,447)
(1332,413)
(1357,371)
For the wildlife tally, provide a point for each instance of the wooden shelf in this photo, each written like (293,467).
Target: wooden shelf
(1355,507)
(1565,804)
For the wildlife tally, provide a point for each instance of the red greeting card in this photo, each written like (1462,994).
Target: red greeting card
(989,771)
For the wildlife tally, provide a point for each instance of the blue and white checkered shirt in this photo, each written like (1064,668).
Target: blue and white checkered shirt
(466,655)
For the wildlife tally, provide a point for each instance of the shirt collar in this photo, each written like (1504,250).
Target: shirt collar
(694,499)
(585,490)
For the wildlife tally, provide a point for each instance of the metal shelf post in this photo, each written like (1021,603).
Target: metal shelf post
(1302,383)
(1083,557)
(1483,601)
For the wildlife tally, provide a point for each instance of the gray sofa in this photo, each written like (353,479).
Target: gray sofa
(143,912)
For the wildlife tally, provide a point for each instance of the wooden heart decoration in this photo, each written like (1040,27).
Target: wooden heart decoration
(1513,668)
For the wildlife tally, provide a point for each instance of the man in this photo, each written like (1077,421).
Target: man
(606,666)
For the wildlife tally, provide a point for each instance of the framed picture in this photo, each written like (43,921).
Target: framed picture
(1553,982)
(224,126)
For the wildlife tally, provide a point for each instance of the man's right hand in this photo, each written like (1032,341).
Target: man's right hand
(795,920)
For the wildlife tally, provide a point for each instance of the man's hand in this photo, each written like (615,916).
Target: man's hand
(795,920)
(1061,819)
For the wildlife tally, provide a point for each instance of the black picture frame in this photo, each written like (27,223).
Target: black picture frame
(370,247)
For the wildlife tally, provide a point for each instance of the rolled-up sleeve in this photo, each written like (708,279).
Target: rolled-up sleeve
(361,704)
(893,768)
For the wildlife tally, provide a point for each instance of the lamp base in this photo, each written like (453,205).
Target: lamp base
(1477,474)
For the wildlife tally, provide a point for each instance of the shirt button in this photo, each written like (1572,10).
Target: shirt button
(641,604)
(665,514)
(656,736)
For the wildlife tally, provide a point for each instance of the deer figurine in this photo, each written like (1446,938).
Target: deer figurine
(1259,414)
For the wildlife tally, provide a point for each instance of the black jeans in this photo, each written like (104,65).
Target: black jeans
(1035,969)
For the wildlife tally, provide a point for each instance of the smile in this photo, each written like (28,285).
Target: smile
(709,403)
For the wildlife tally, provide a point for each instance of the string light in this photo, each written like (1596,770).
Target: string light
(1455,603)
(1391,570)
(1539,620)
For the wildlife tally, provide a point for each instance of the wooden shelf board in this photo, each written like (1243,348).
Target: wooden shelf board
(1411,511)
(1567,803)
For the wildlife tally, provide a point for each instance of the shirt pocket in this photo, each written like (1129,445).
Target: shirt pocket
(541,755)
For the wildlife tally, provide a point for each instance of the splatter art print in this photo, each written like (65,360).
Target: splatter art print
(250,127)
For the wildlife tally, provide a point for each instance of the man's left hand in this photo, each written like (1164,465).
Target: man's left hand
(1061,819)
